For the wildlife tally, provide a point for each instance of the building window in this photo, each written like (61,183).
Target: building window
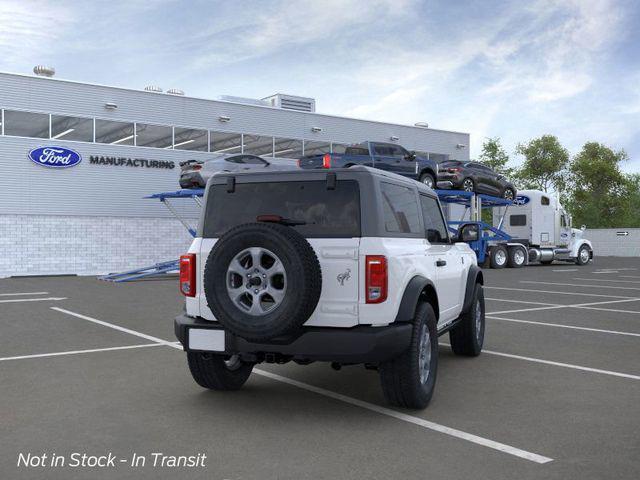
(157,136)
(316,148)
(225,142)
(400,209)
(257,145)
(71,128)
(115,133)
(287,148)
(26,124)
(190,139)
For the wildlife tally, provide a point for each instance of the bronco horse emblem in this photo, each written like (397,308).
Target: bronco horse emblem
(342,277)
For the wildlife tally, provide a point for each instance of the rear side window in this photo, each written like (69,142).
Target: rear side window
(518,220)
(326,213)
(357,151)
(544,201)
(434,227)
(400,209)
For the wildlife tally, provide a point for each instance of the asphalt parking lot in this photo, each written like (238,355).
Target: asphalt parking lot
(89,366)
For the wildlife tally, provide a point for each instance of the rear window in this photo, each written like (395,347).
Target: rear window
(356,151)
(327,213)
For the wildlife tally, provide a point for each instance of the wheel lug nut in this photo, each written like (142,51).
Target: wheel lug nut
(255,291)
(264,276)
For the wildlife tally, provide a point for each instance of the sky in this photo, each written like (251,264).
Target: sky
(509,69)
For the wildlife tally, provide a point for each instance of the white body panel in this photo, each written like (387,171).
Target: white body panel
(342,301)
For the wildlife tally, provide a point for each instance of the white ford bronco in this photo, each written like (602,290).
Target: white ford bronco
(349,266)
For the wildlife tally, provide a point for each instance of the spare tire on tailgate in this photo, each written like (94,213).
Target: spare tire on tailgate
(262,280)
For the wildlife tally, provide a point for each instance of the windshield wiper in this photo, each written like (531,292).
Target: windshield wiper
(281,220)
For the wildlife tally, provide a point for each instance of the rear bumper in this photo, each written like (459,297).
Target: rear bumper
(361,344)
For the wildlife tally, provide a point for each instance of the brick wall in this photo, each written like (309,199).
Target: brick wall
(49,245)
(608,241)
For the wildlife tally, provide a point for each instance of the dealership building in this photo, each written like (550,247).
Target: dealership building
(120,145)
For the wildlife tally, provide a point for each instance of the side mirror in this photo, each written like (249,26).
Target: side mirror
(469,233)
(411,156)
(583,228)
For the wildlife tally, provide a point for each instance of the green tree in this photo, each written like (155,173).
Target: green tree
(545,164)
(494,156)
(600,194)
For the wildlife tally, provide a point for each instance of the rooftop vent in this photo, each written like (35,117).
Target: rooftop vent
(175,91)
(153,88)
(43,71)
(291,102)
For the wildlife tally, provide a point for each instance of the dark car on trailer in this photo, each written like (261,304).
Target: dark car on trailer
(383,156)
(475,177)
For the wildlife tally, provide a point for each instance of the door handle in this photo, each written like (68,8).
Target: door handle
(441,263)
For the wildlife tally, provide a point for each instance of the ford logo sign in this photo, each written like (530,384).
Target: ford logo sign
(55,157)
(521,200)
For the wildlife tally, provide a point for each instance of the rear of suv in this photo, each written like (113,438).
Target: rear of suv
(350,266)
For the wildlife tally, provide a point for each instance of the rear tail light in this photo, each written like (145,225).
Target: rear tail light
(298,162)
(188,274)
(376,278)
(326,160)
(454,170)
(196,167)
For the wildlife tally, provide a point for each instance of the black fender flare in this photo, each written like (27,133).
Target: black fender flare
(411,297)
(474,276)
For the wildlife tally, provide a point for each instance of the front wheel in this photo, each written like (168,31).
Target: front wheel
(218,372)
(584,255)
(409,380)
(467,337)
(428,180)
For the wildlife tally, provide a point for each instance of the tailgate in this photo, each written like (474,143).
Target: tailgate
(316,161)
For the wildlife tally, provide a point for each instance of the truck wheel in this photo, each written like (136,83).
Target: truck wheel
(584,255)
(517,257)
(218,372)
(409,380)
(499,256)
(467,337)
(262,280)
(428,180)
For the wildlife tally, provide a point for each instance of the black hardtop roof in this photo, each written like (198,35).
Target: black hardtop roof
(315,174)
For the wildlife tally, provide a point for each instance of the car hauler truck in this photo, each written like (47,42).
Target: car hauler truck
(538,221)
(534,228)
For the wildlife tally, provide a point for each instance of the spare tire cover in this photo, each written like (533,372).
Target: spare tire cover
(262,280)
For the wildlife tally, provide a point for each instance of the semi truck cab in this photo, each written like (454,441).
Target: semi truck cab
(538,220)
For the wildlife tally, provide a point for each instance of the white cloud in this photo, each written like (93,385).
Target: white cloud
(30,29)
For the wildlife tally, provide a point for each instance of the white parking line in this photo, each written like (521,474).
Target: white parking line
(559,364)
(573,327)
(17,300)
(557,292)
(588,306)
(27,293)
(76,352)
(485,442)
(606,280)
(629,276)
(567,270)
(519,301)
(115,327)
(580,285)
(533,457)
